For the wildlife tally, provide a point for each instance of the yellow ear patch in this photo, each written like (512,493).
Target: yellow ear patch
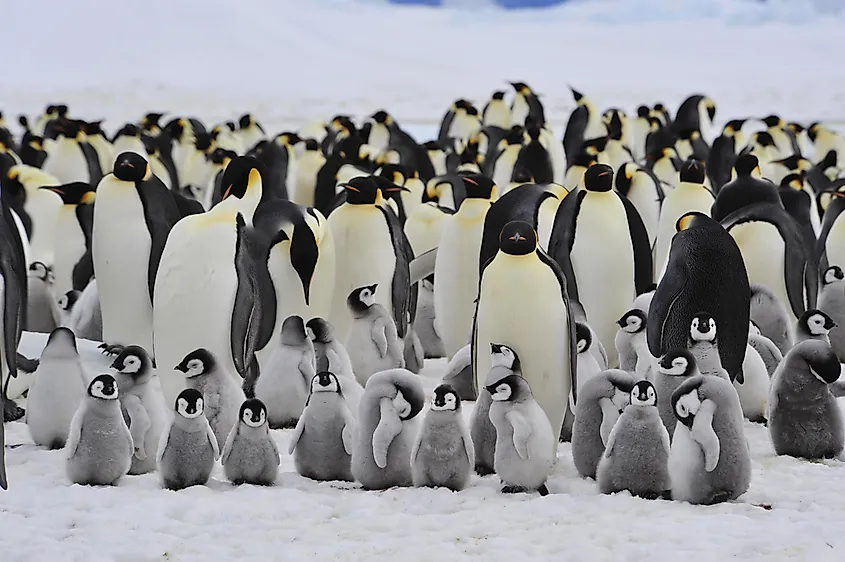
(684,222)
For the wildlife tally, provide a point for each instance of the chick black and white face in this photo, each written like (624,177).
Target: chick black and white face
(444,399)
(103,387)
(367,296)
(687,407)
(63,302)
(38,269)
(502,356)
(644,394)
(833,274)
(703,327)
(189,408)
(195,368)
(633,321)
(583,337)
(325,382)
(502,392)
(403,407)
(131,365)
(254,416)
(673,364)
(818,323)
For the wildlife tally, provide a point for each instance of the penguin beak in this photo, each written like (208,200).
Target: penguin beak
(688,421)
(181,367)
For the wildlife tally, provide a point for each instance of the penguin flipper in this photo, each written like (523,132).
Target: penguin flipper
(416,448)
(521,433)
(469,449)
(703,433)
(665,298)
(379,336)
(573,135)
(246,313)
(139,422)
(347,435)
(306,368)
(297,434)
(664,438)
(163,441)
(389,426)
(563,236)
(4,483)
(643,268)
(213,440)
(611,440)
(75,433)
(230,441)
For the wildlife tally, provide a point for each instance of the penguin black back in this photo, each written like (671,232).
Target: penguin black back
(744,190)
(534,158)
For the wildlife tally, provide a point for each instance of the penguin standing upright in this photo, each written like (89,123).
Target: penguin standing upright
(602,247)
(720,160)
(584,123)
(43,207)
(643,189)
(66,158)
(307,166)
(523,303)
(526,104)
(72,238)
(496,113)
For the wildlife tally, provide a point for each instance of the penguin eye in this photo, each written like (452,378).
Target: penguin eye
(182,404)
(199,404)
(679,362)
(682,409)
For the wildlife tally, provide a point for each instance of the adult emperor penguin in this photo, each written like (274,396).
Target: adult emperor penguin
(690,195)
(830,248)
(643,189)
(496,113)
(601,244)
(72,233)
(523,303)
(370,247)
(832,301)
(688,286)
(584,123)
(723,153)
(42,206)
(132,220)
(696,113)
(307,166)
(457,264)
(526,104)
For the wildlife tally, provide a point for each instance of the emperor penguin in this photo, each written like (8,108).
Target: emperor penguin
(804,419)
(630,341)
(525,440)
(324,438)
(331,356)
(224,313)
(814,325)
(830,247)
(504,362)
(250,455)
(249,130)
(387,427)
(526,104)
(584,123)
(372,339)
(703,344)
(72,233)
(776,127)
(832,301)
(307,166)
(676,366)
(132,220)
(56,390)
(771,317)
(42,205)
(457,264)
(42,310)
(639,128)
(443,453)
(188,449)
(765,348)
(599,406)
(142,404)
(99,446)
(720,160)
(222,396)
(637,452)
(644,190)
(710,460)
(690,195)
(496,113)
(588,365)
(284,381)
(523,303)
(67,154)
(601,244)
(370,248)
(688,287)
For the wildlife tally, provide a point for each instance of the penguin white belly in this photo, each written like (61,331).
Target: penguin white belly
(121,251)
(763,252)
(463,126)
(412,198)
(754,390)
(644,198)
(519,111)
(66,162)
(617,155)
(558,157)
(665,172)
(603,262)
(364,255)
(678,202)
(69,247)
(379,137)
(546,221)
(125,143)
(595,127)
(686,461)
(834,245)
(503,168)
(307,167)
(424,228)
(43,208)
(194,297)
(498,115)
(457,264)
(160,172)
(104,153)
(520,305)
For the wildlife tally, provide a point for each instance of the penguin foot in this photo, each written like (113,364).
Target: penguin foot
(111,349)
(720,496)
(11,411)
(483,470)
(666,495)
(26,364)
(513,490)
(544,491)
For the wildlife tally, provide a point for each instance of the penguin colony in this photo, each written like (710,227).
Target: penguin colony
(632,288)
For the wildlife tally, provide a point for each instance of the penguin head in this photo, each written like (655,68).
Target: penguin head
(133,360)
(694,220)
(40,270)
(521,88)
(288,138)
(319,330)
(479,186)
(503,356)
(624,176)
(792,181)
(245,121)
(150,121)
(190,403)
(518,238)
(361,191)
(242,175)
(583,337)
(677,362)
(820,358)
(702,327)
(196,363)
(644,394)
(598,178)
(382,117)
(763,139)
(253,412)
(396,173)
(128,130)
(498,95)
(633,321)
(131,167)
(816,323)
(686,402)
(732,127)
(103,387)
(63,336)
(710,107)
(833,274)
(362,298)
(578,96)
(512,388)
(325,382)
(692,171)
(202,142)
(67,300)
(445,399)
(293,331)
(311,145)
(772,121)
(74,193)
(795,128)
(643,111)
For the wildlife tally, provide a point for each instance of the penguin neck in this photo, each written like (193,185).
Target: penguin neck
(193,425)
(689,186)
(103,408)
(511,258)
(473,208)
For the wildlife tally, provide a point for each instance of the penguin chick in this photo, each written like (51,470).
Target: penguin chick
(633,346)
(188,448)
(503,362)
(373,342)
(832,301)
(331,356)
(324,437)
(56,389)
(804,417)
(43,314)
(704,346)
(766,348)
(250,455)
(676,366)
(599,406)
(525,441)
(99,447)
(142,404)
(769,313)
(709,461)
(752,385)
(66,304)
(814,325)
(284,380)
(443,454)
(387,428)
(221,395)
(458,374)
(637,453)
(587,368)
